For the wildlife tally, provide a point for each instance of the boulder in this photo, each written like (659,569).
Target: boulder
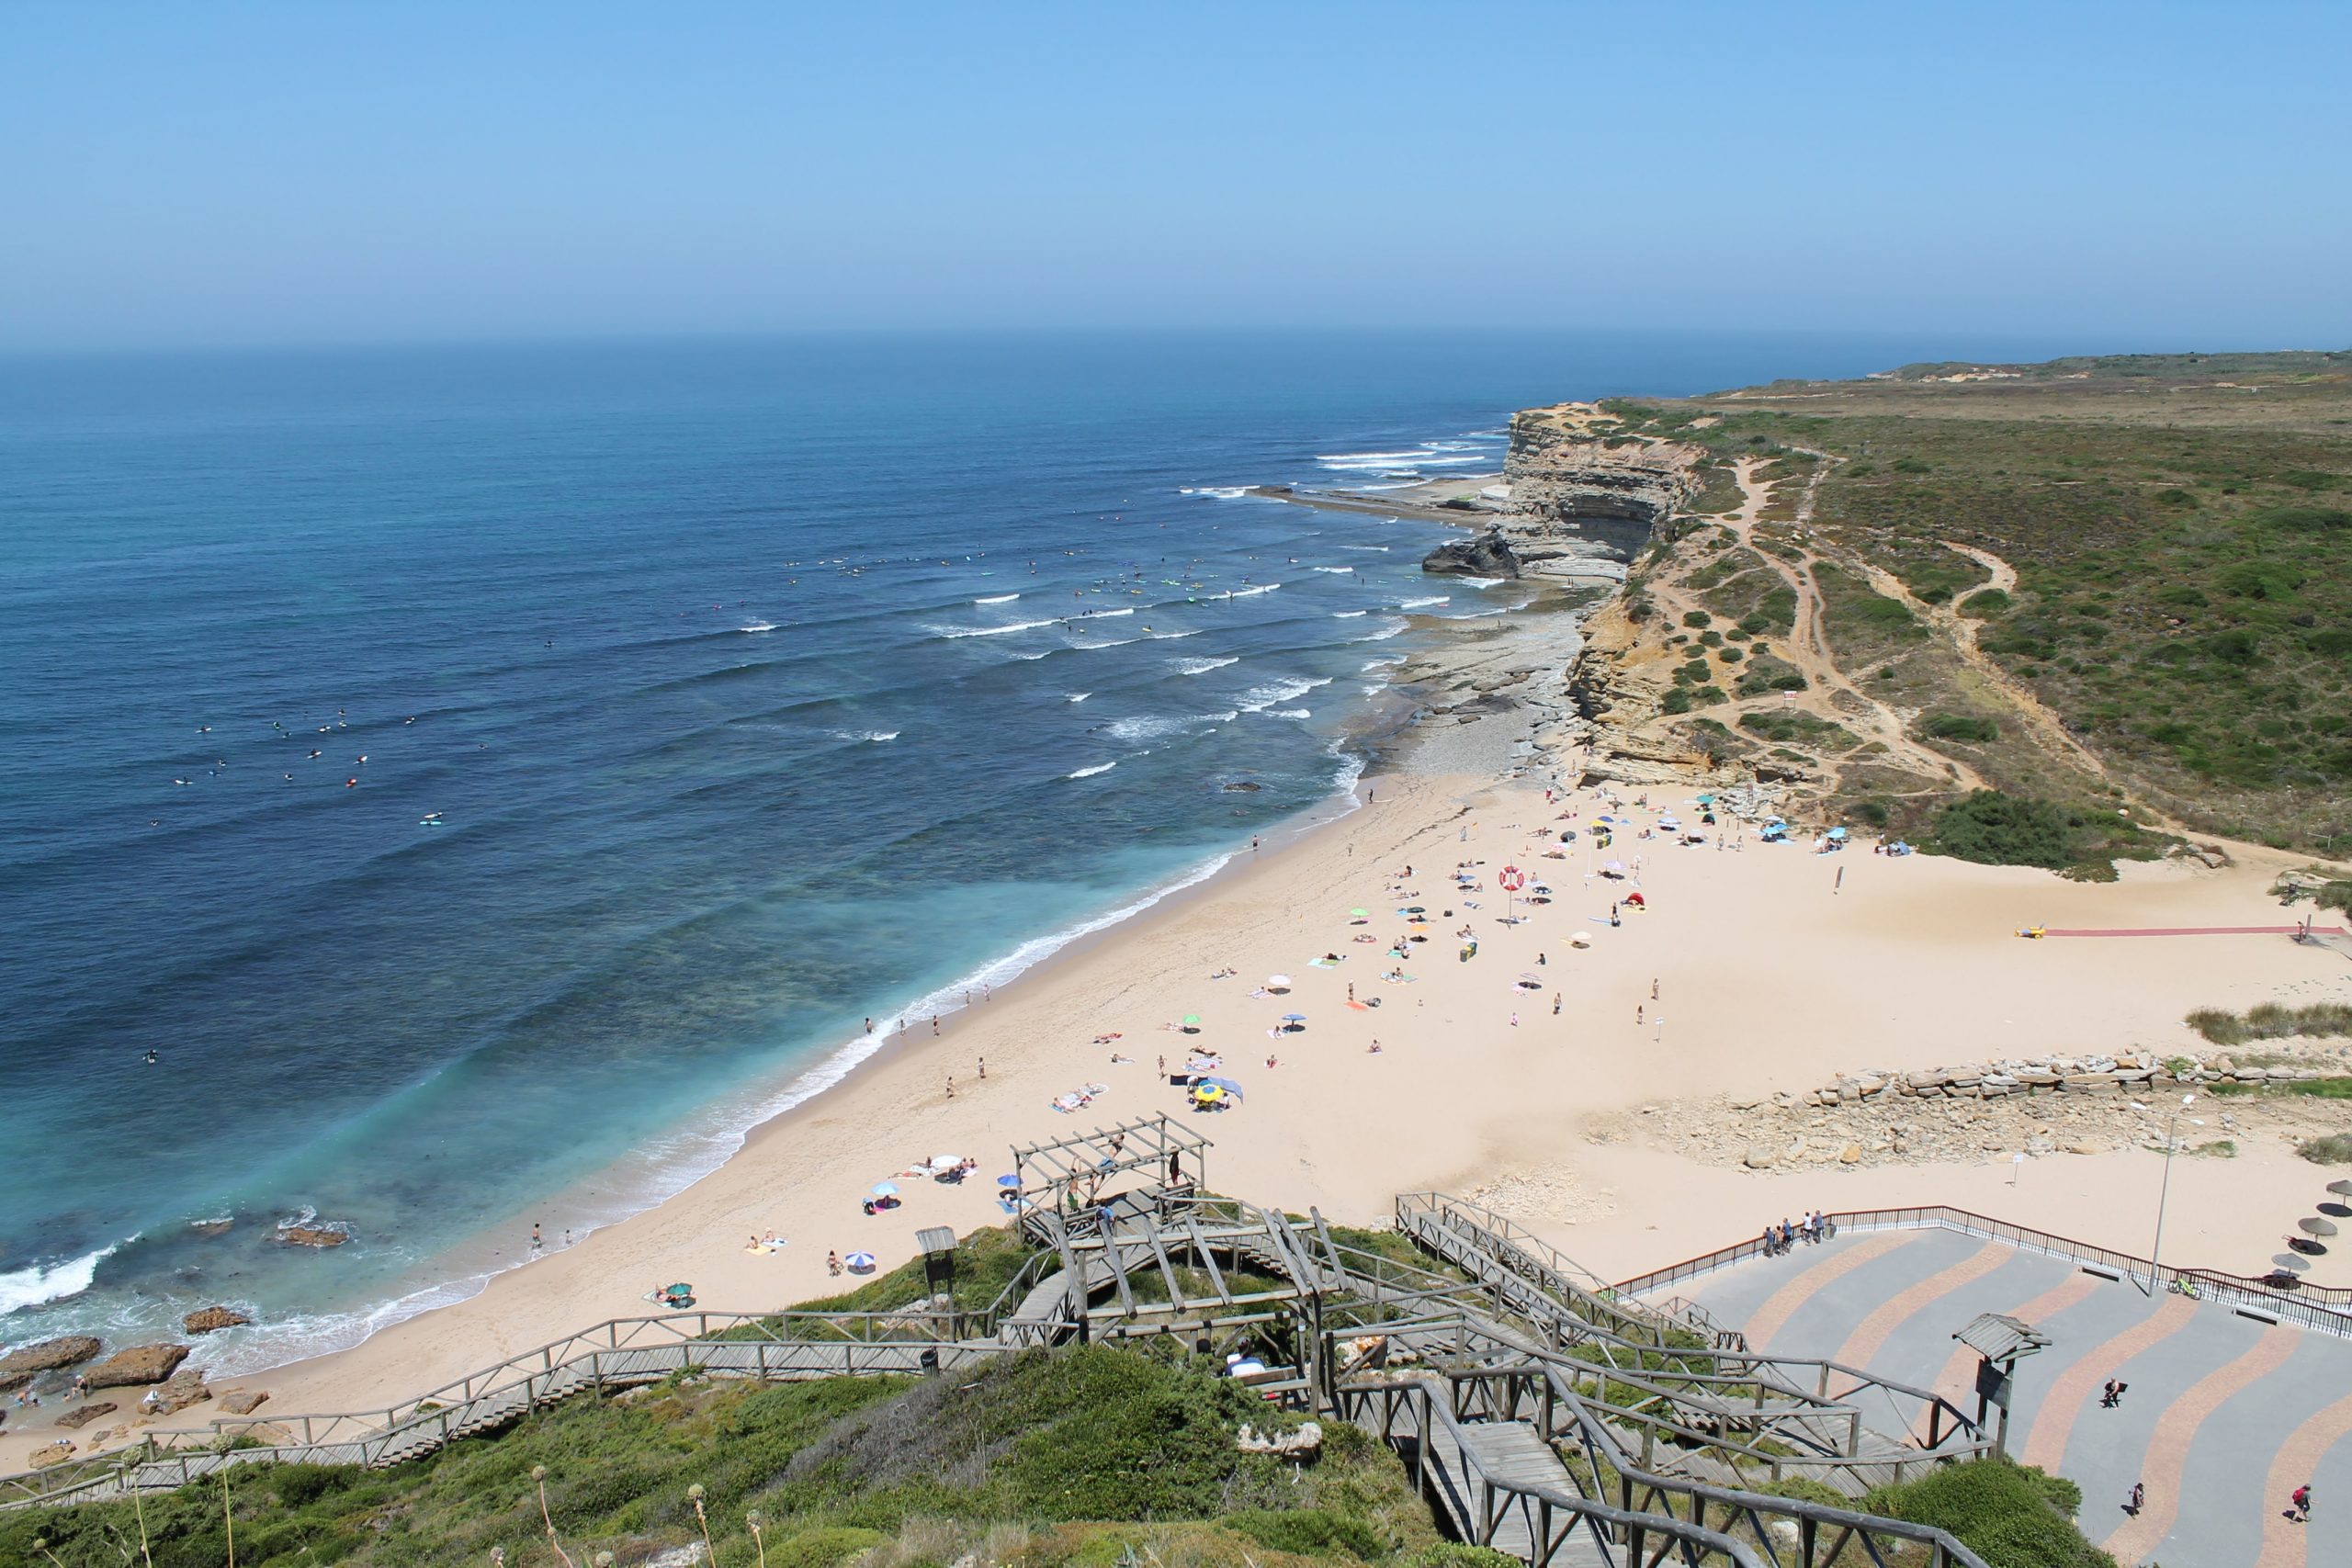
(17,1367)
(1851,1155)
(1759,1157)
(206,1319)
(57,1452)
(243,1404)
(1489,555)
(139,1364)
(83,1414)
(179,1390)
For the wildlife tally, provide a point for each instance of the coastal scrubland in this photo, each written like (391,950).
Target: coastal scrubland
(2094,584)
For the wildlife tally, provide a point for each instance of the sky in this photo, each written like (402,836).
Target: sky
(244,174)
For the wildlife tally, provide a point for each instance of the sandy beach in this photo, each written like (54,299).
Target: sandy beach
(1752,969)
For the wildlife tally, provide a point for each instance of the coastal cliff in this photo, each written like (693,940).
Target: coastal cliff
(1579,492)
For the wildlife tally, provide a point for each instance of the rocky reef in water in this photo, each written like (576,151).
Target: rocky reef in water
(1489,555)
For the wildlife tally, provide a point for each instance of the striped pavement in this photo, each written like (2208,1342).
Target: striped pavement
(2223,1416)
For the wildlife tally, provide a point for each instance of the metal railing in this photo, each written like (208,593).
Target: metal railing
(2324,1308)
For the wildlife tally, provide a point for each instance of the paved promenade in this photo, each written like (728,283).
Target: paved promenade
(2224,1417)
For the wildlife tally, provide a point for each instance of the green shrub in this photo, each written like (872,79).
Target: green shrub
(2334,1149)
(1958,726)
(2006,1514)
(822,1548)
(1308,1532)
(1676,700)
(1912,466)
(1985,603)
(1697,620)
(1994,828)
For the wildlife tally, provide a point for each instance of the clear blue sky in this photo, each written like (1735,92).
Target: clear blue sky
(181,174)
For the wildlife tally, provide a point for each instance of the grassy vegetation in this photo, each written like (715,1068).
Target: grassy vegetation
(1041,1457)
(2270,1021)
(2335,1149)
(2183,545)
(2314,1089)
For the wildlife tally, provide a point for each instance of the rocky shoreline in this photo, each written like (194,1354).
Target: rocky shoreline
(1979,1112)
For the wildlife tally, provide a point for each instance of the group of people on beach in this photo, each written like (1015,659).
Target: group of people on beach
(1784,1237)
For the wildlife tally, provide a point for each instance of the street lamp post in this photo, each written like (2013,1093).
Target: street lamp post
(2164,1191)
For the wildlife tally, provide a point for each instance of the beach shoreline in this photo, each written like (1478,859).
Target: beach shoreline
(1465,1093)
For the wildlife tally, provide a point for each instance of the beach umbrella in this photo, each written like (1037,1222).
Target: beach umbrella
(1414,909)
(859,1262)
(2341,1189)
(1191,1020)
(1278,981)
(1228,1084)
(1008,1182)
(2318,1227)
(1361,914)
(1301,1017)
(886,1189)
(947,1162)
(1614,866)
(2291,1262)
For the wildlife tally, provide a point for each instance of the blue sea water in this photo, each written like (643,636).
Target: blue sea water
(486,774)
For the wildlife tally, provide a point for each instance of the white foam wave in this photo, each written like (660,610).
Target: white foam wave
(50,1281)
(757,627)
(1400,484)
(1168,636)
(1385,661)
(865,735)
(1108,615)
(1382,548)
(1148,727)
(1253,590)
(1078,696)
(1348,615)
(989,631)
(1203,665)
(1089,772)
(1292,713)
(1257,699)
(1335,568)
(1367,456)
(1220,492)
(1424,604)
(1483,581)
(998,599)
(1385,632)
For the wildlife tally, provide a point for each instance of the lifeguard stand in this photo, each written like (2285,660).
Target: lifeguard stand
(2001,1341)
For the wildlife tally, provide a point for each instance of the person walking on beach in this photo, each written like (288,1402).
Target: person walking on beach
(535,1243)
(984,1069)
(2107,1395)
(1555,1004)
(1638,1009)
(869,1026)
(1653,989)
(934,1023)
(1253,843)
(2139,1498)
(2298,1506)
(951,1086)
(1351,991)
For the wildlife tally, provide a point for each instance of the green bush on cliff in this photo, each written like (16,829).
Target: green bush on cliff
(2010,1515)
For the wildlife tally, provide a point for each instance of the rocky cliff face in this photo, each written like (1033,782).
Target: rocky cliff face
(1572,494)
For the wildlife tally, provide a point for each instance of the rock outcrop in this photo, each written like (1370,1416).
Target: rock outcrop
(312,1236)
(139,1364)
(205,1320)
(1489,555)
(48,1454)
(83,1414)
(17,1367)
(1569,487)
(244,1404)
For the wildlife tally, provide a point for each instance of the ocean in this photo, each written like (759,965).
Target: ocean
(488,780)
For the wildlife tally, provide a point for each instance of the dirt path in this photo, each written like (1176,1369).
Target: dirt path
(1829,694)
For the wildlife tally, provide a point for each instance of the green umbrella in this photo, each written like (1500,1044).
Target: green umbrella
(1360,911)
(1191,1019)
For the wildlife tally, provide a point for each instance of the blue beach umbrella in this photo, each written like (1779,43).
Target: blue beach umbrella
(1008,1182)
(886,1189)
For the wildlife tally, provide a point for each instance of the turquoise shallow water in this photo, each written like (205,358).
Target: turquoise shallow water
(465,769)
